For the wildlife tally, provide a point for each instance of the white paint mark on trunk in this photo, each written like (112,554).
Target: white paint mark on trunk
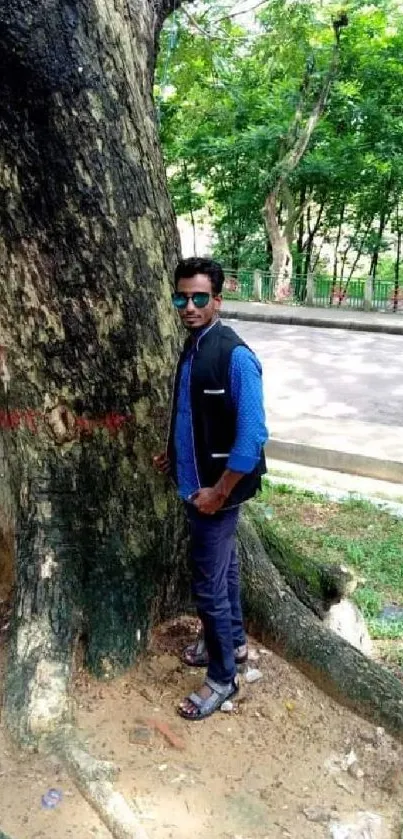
(48,565)
(4,371)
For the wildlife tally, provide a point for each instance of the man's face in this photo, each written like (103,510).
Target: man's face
(192,316)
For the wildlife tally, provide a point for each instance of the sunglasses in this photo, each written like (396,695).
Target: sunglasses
(199,299)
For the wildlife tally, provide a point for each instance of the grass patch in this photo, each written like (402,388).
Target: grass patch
(351,532)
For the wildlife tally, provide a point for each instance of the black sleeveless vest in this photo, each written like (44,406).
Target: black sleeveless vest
(213,414)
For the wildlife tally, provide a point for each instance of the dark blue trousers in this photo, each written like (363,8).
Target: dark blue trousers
(215,588)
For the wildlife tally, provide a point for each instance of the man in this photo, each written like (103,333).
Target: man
(215,456)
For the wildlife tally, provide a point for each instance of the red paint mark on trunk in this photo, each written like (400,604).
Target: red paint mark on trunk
(30,419)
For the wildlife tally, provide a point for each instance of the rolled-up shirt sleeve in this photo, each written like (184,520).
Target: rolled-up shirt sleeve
(247,396)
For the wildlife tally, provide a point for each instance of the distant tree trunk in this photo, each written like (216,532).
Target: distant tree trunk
(190,205)
(336,254)
(269,252)
(87,249)
(383,220)
(299,274)
(235,255)
(396,291)
(312,232)
(295,147)
(281,266)
(358,254)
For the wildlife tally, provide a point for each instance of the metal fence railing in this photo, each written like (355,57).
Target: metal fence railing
(352,294)
(248,285)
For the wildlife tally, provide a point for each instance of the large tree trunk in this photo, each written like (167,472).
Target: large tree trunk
(88,243)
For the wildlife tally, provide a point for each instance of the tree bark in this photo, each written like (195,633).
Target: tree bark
(280,619)
(87,250)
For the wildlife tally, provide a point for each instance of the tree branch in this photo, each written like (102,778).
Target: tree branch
(207,34)
(293,156)
(236,14)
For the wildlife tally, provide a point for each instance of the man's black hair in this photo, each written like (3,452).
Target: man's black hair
(187,268)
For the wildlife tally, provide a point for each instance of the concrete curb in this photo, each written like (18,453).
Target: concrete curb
(321,323)
(335,461)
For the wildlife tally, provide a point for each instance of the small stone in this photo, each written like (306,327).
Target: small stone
(253,655)
(391,613)
(349,760)
(342,784)
(362,825)
(227,706)
(355,770)
(253,675)
(317,814)
(391,781)
(140,735)
(367,737)
(379,736)
(340,763)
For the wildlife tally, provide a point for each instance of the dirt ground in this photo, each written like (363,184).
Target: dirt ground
(239,775)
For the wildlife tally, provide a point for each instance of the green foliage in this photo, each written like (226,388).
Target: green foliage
(228,96)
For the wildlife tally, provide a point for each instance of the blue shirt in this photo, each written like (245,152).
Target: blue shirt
(251,433)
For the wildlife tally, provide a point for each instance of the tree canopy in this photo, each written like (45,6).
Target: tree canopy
(233,95)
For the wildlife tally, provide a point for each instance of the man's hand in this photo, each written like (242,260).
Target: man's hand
(162,463)
(207,500)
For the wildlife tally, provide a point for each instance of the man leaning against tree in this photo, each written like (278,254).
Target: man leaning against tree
(215,456)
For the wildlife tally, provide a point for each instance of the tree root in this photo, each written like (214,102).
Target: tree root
(282,621)
(317,585)
(93,778)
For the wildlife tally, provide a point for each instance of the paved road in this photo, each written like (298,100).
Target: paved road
(322,382)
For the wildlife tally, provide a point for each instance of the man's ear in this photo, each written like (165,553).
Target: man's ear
(217,302)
